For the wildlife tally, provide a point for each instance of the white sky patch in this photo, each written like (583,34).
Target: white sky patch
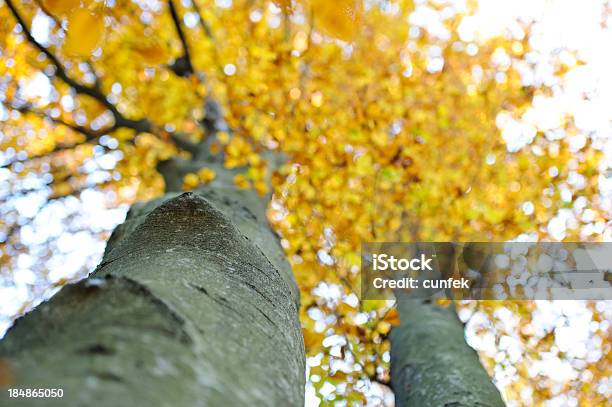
(574,26)
(563,32)
(325,258)
(37,87)
(29,205)
(12,298)
(71,227)
(223,3)
(41,28)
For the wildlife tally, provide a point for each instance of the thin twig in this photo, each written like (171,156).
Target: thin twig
(90,134)
(183,65)
(205,27)
(142,125)
(60,71)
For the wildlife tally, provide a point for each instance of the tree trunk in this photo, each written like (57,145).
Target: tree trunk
(431,364)
(193,304)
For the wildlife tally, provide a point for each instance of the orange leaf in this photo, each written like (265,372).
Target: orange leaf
(151,52)
(338,18)
(392,317)
(60,7)
(85,32)
(312,339)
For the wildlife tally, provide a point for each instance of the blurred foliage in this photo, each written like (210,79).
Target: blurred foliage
(392,133)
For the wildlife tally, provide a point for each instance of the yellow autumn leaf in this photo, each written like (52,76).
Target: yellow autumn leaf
(60,7)
(84,34)
(151,52)
(392,317)
(261,188)
(206,175)
(241,181)
(371,305)
(61,189)
(190,181)
(312,338)
(383,327)
(223,137)
(284,5)
(339,18)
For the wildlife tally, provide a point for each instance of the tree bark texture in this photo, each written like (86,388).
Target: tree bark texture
(193,304)
(432,365)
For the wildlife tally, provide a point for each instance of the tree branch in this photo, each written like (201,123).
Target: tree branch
(94,91)
(142,125)
(90,134)
(203,23)
(60,71)
(181,66)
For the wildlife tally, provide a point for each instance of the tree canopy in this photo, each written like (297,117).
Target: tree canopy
(394,127)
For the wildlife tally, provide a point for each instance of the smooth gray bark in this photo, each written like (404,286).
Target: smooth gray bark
(193,304)
(432,365)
